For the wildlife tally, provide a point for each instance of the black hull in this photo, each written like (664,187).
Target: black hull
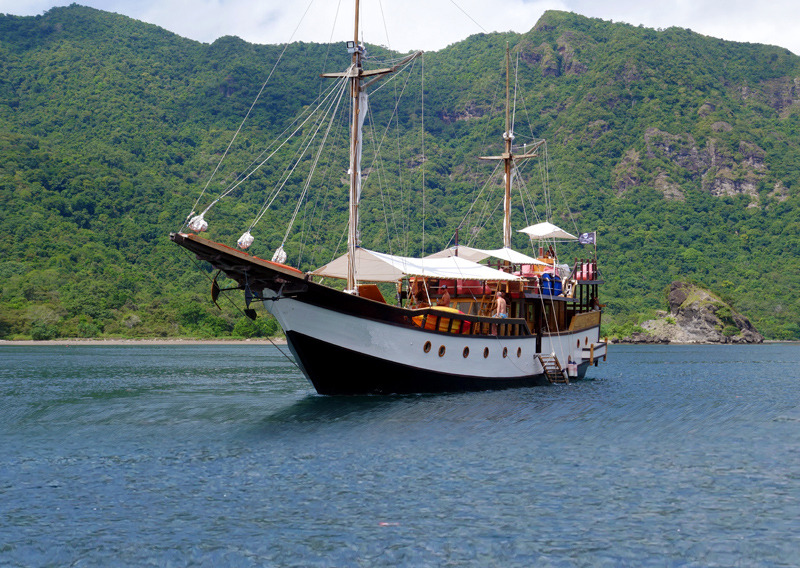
(334,370)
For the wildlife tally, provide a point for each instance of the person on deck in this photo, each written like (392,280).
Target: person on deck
(502,306)
(444,301)
(501,311)
(415,293)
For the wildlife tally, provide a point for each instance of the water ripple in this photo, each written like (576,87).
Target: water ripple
(222,455)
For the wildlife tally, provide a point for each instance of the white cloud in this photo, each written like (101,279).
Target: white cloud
(770,23)
(433,24)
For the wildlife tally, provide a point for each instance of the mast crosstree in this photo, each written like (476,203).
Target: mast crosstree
(508,158)
(356,73)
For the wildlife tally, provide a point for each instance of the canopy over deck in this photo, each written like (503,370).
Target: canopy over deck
(547,230)
(476,255)
(371,266)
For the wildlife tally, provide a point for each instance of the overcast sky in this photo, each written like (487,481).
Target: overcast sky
(433,24)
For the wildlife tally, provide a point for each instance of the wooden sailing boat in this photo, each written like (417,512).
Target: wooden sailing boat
(354,342)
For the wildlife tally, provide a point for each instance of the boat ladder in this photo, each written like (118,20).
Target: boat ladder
(552,369)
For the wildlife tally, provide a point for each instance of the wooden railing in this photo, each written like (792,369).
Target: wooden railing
(463,324)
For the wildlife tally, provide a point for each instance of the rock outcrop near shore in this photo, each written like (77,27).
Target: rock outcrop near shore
(696,316)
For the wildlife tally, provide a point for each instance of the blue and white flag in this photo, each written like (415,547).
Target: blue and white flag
(588,238)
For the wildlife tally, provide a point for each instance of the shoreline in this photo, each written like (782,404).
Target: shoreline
(261,341)
(101,342)
(679,343)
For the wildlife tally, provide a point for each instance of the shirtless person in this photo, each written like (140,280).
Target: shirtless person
(444,301)
(501,312)
(502,306)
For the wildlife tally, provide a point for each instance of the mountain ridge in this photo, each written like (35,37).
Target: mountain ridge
(679,149)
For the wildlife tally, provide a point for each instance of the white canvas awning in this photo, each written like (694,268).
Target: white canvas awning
(547,230)
(374,266)
(476,255)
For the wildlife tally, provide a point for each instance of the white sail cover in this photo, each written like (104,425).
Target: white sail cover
(374,266)
(362,114)
(547,230)
(477,255)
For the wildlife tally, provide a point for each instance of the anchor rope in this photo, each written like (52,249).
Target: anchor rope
(240,310)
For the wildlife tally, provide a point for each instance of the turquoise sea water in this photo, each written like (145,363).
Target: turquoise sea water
(224,456)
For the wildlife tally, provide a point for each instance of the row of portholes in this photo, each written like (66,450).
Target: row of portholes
(442,349)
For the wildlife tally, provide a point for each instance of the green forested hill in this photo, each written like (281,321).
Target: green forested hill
(681,150)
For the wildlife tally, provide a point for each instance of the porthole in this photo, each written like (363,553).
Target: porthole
(585,340)
(485,352)
(466,352)
(578,343)
(519,352)
(427,347)
(505,352)
(441,351)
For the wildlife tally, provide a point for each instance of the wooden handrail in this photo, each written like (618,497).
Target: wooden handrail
(506,324)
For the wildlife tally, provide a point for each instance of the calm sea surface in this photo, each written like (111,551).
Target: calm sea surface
(224,456)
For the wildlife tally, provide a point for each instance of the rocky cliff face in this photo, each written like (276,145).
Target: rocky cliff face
(720,170)
(696,316)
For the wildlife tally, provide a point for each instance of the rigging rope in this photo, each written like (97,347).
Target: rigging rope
(482,215)
(276,192)
(514,105)
(309,219)
(423,155)
(330,40)
(236,307)
(486,183)
(468,16)
(376,158)
(313,168)
(385,29)
(242,178)
(246,116)
(377,147)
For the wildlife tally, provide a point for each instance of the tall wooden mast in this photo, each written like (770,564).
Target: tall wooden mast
(355,166)
(508,156)
(356,74)
(508,137)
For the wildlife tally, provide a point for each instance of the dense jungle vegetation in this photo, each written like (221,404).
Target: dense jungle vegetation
(682,151)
